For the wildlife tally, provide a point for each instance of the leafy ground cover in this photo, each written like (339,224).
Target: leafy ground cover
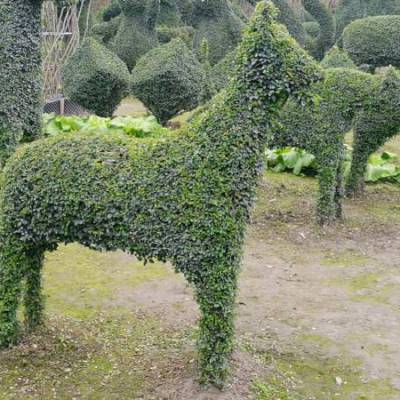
(317,313)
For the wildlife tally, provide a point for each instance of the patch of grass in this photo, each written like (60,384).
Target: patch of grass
(344,258)
(79,282)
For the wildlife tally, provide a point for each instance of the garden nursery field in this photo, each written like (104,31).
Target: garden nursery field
(199,199)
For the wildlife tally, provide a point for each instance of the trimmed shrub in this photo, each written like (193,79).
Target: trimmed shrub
(350,10)
(166,33)
(20,74)
(216,22)
(373,127)
(185,199)
(320,45)
(374,41)
(136,33)
(96,78)
(312,29)
(337,58)
(168,80)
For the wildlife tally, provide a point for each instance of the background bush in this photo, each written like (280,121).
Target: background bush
(374,41)
(96,78)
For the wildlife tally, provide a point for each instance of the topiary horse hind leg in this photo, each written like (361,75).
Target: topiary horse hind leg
(12,259)
(33,299)
(216,297)
(339,192)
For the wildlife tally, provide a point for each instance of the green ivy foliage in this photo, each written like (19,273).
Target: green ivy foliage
(320,129)
(347,98)
(350,10)
(321,13)
(184,199)
(96,78)
(20,71)
(374,41)
(216,22)
(136,33)
(373,127)
(169,79)
(337,58)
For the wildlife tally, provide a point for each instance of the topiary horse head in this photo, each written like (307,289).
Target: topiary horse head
(184,199)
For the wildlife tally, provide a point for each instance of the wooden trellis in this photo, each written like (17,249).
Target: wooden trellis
(61,37)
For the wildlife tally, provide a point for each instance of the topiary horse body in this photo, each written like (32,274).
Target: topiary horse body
(347,99)
(185,199)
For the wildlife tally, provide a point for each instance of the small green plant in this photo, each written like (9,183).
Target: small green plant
(137,127)
(267,392)
(381,167)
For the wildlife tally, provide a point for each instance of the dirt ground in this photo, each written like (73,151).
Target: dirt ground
(318,313)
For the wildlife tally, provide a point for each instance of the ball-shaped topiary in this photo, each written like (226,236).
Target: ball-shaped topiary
(169,79)
(374,41)
(96,78)
(20,74)
(350,10)
(216,22)
(185,198)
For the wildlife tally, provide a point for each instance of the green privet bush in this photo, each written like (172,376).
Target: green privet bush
(184,199)
(312,29)
(337,58)
(216,22)
(373,127)
(96,78)
(20,74)
(347,98)
(374,41)
(320,129)
(169,79)
(320,45)
(136,33)
(350,10)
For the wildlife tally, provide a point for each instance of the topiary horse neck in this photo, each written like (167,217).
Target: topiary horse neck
(183,199)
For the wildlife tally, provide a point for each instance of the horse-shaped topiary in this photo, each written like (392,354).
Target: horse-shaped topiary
(184,199)
(348,99)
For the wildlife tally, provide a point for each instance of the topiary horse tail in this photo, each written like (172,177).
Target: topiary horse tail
(184,199)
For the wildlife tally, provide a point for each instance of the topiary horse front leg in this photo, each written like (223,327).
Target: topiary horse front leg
(33,299)
(216,294)
(12,259)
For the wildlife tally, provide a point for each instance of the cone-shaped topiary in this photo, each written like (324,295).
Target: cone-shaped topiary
(136,33)
(185,198)
(96,78)
(20,74)
(374,41)
(169,79)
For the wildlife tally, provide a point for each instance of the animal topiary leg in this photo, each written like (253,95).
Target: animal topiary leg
(339,192)
(33,299)
(355,184)
(326,207)
(11,274)
(216,297)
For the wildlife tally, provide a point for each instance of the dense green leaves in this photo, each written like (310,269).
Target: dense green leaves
(184,198)
(374,41)
(169,79)
(20,69)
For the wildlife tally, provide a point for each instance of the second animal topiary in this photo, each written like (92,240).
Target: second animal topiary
(169,79)
(96,78)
